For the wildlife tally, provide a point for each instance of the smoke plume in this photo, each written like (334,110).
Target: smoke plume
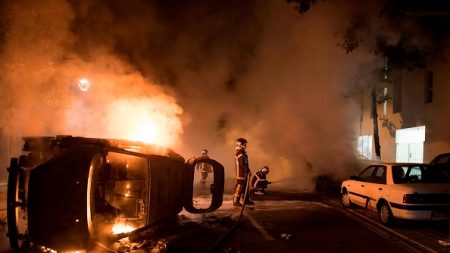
(209,71)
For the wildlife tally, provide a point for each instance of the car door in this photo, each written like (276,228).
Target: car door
(357,191)
(375,185)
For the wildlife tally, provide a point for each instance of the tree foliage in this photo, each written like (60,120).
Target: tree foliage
(303,5)
(407,49)
(404,53)
(430,19)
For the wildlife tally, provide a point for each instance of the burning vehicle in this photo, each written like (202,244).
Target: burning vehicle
(65,192)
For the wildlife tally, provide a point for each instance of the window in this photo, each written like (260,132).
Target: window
(379,176)
(374,174)
(398,174)
(410,144)
(418,174)
(397,100)
(415,174)
(367,173)
(429,88)
(365,146)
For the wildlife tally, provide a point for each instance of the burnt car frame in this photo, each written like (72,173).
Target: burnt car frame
(64,192)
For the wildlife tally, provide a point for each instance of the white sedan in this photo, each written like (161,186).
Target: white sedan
(410,191)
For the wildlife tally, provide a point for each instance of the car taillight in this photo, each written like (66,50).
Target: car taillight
(413,198)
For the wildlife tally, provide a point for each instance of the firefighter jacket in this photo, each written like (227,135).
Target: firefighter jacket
(242,168)
(204,167)
(259,180)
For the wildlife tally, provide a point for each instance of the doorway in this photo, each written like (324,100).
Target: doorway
(409,144)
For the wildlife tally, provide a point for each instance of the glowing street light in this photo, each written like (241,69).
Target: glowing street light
(84,84)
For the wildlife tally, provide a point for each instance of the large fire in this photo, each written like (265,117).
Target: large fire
(155,121)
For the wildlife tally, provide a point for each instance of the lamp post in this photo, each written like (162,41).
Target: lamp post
(84,84)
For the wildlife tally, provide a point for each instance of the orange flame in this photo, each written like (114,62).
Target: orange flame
(155,121)
(121,227)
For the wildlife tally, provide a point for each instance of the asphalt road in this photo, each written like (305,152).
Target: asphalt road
(302,222)
(306,222)
(294,222)
(424,235)
(284,222)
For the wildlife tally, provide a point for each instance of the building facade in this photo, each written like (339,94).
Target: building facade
(413,116)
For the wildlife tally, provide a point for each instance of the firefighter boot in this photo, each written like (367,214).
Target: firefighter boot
(236,201)
(248,201)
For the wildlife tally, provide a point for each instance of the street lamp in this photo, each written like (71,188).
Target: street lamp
(84,84)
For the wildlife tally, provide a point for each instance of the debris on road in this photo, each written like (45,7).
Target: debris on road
(287,236)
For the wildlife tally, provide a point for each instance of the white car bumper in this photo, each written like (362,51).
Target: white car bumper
(431,214)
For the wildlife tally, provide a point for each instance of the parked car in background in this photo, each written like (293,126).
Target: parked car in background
(443,158)
(443,162)
(409,191)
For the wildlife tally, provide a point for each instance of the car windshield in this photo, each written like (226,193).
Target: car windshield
(419,174)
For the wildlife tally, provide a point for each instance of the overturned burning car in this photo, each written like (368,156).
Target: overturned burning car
(65,192)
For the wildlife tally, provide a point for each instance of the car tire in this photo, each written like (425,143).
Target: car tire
(345,199)
(16,209)
(386,216)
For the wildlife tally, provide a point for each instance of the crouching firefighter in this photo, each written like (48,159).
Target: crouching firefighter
(259,181)
(242,173)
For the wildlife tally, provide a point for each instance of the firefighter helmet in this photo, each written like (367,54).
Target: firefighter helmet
(241,143)
(265,169)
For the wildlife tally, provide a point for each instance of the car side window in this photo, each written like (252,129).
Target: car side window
(379,176)
(366,174)
(398,174)
(415,174)
(376,174)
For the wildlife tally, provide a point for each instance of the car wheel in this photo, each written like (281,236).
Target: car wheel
(16,208)
(386,216)
(345,199)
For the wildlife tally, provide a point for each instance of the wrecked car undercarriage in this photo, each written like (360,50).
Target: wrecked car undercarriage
(65,192)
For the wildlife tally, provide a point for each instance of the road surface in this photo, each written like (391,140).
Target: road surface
(286,222)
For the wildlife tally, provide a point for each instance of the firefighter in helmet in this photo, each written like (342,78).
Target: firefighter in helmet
(204,168)
(259,181)
(242,172)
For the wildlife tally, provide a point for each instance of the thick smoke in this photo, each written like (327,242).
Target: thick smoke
(252,69)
